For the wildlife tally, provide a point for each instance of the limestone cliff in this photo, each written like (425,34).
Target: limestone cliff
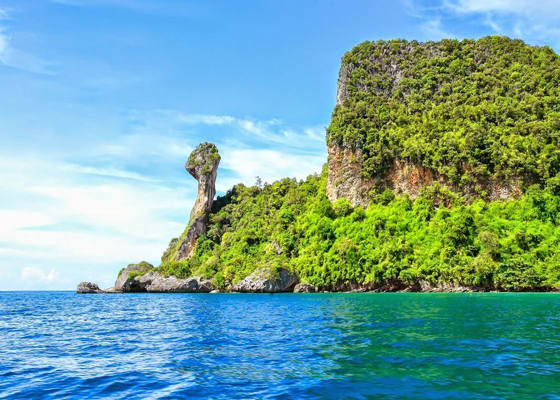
(478,118)
(347,180)
(203,166)
(373,147)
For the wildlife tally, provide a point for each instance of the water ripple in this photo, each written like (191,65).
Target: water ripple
(59,344)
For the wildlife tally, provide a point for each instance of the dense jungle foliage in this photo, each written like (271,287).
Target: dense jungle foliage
(471,109)
(507,245)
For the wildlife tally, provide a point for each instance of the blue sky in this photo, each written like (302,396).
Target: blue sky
(103,100)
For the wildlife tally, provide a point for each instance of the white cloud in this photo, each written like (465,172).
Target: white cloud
(269,149)
(59,217)
(89,212)
(4,42)
(249,147)
(36,274)
(273,131)
(111,172)
(533,21)
(543,9)
(317,134)
(16,219)
(270,165)
(434,29)
(149,144)
(195,119)
(12,57)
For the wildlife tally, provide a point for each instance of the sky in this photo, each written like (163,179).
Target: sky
(103,100)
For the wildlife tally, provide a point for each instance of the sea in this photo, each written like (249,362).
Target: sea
(293,346)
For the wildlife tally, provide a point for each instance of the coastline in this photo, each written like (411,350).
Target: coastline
(198,285)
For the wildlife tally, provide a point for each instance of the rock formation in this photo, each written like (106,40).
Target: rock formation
(143,277)
(127,275)
(155,283)
(304,288)
(345,163)
(88,287)
(346,180)
(265,281)
(203,166)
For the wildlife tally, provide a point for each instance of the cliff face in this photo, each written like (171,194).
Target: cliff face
(465,115)
(347,180)
(480,118)
(203,166)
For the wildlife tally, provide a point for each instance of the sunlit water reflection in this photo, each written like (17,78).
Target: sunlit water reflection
(60,344)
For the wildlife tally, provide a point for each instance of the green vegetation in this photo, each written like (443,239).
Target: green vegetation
(135,274)
(205,153)
(509,245)
(471,110)
(171,253)
(179,268)
(143,266)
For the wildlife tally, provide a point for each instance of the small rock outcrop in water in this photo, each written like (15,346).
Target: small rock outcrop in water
(88,287)
(143,278)
(347,161)
(127,275)
(156,283)
(264,281)
(203,166)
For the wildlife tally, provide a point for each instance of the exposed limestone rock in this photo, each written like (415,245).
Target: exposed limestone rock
(126,276)
(404,177)
(400,286)
(264,281)
(142,278)
(355,287)
(156,283)
(343,77)
(205,285)
(88,287)
(203,166)
(345,180)
(408,178)
(425,286)
(277,247)
(390,69)
(304,288)
(345,164)
(152,282)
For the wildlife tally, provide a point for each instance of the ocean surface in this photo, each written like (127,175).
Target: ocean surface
(393,345)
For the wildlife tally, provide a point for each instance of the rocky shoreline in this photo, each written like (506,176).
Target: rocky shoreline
(144,278)
(202,165)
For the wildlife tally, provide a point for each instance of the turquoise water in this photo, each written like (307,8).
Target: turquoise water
(487,345)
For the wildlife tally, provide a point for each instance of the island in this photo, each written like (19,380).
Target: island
(443,174)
